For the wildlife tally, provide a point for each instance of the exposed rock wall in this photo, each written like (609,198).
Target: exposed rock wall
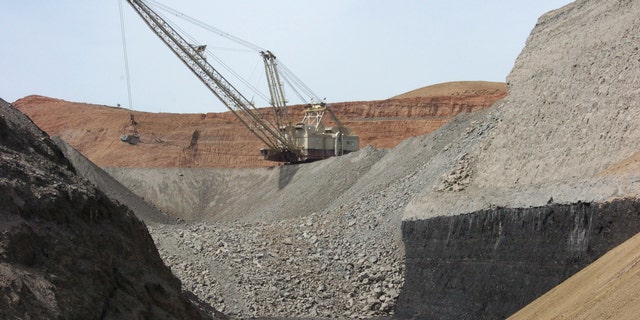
(489,264)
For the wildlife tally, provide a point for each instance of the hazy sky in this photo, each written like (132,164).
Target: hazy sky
(344,50)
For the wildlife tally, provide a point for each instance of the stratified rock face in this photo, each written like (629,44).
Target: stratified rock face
(220,140)
(491,263)
(66,249)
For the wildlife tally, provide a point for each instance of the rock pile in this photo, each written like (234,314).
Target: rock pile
(304,267)
(298,247)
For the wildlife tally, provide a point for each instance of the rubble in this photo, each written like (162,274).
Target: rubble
(309,267)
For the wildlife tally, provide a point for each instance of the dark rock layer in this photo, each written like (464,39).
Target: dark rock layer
(491,263)
(66,249)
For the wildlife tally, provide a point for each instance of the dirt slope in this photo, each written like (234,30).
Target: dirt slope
(606,289)
(219,140)
(455,88)
(112,187)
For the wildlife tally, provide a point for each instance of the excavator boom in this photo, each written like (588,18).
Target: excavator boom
(193,57)
(284,140)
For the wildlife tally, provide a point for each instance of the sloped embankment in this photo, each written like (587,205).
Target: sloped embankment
(114,189)
(66,249)
(606,288)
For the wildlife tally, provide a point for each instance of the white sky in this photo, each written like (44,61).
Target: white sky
(344,50)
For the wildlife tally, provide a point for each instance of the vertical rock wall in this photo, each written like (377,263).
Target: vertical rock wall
(489,264)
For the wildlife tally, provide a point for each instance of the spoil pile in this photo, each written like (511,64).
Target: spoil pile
(289,254)
(569,118)
(320,239)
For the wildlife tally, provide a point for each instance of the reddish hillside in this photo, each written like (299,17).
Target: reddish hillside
(219,140)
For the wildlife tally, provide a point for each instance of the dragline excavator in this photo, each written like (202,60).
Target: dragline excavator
(285,141)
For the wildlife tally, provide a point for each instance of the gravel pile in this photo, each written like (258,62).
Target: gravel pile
(345,260)
(307,267)
(317,247)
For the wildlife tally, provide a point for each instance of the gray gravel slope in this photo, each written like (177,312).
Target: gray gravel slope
(572,111)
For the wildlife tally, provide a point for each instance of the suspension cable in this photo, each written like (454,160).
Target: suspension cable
(126,58)
(205,26)
(210,54)
(294,82)
(290,77)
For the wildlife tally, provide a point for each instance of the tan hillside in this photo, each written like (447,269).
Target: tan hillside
(606,289)
(455,88)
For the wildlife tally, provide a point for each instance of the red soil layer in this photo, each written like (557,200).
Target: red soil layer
(170,140)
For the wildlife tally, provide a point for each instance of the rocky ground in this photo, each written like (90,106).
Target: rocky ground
(310,243)
(292,268)
(343,260)
(336,251)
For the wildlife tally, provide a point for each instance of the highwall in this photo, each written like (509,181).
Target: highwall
(489,264)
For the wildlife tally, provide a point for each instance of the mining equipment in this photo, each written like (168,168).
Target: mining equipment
(130,132)
(285,141)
